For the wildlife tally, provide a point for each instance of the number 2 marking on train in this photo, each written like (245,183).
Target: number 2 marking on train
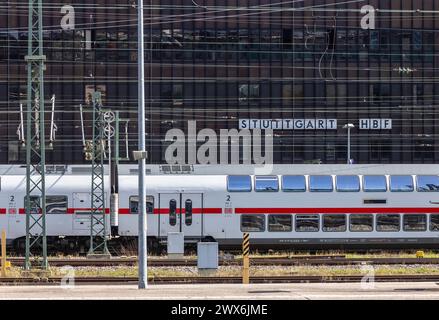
(12,199)
(228,197)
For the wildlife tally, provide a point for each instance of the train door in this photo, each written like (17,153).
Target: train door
(81,214)
(181,212)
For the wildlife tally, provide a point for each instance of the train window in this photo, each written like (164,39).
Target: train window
(239,184)
(374,183)
(307,223)
(361,222)
(347,183)
(414,222)
(253,223)
(388,222)
(188,212)
(173,212)
(266,183)
(434,222)
(280,223)
(293,183)
(34,203)
(401,183)
(320,184)
(134,204)
(334,222)
(427,183)
(56,204)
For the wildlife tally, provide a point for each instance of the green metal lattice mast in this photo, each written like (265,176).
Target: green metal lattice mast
(35,139)
(98,230)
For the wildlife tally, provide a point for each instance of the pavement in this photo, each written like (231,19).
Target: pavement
(335,291)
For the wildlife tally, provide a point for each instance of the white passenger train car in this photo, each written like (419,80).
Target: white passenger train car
(293,205)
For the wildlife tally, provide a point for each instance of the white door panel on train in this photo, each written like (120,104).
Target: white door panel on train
(81,218)
(181,212)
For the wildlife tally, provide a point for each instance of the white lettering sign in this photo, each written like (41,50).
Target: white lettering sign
(289,124)
(375,124)
(68,20)
(368,21)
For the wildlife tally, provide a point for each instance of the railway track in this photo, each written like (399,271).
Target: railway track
(293,261)
(217,280)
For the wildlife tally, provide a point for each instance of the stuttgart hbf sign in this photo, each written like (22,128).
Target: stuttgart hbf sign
(311,124)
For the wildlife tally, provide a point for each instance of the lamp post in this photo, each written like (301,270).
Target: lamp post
(141,154)
(349,126)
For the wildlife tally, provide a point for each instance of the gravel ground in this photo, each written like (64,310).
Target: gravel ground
(124,271)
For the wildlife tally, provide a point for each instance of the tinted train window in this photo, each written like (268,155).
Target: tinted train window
(239,183)
(401,183)
(56,204)
(361,223)
(414,222)
(334,223)
(434,222)
(347,183)
(293,183)
(35,203)
(307,223)
(173,212)
(266,183)
(320,184)
(134,204)
(388,222)
(427,183)
(280,223)
(253,223)
(188,212)
(374,183)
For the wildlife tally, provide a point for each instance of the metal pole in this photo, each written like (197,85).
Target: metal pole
(143,276)
(349,145)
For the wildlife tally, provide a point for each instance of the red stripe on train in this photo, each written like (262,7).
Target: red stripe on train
(69,210)
(332,210)
(194,211)
(2,210)
(127,210)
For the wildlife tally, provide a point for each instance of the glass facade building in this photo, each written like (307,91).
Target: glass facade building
(218,62)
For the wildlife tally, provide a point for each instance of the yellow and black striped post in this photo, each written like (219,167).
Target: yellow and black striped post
(3,256)
(245,258)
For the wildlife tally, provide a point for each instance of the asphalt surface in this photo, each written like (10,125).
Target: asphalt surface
(311,291)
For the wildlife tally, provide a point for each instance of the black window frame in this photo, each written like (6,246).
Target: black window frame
(430,223)
(66,201)
(425,176)
(252,216)
(270,216)
(401,175)
(359,215)
(320,190)
(346,190)
(414,215)
(377,219)
(293,190)
(259,177)
(375,175)
(188,212)
(246,190)
(315,216)
(334,215)
(147,203)
(172,212)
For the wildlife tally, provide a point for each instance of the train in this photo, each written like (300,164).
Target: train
(313,206)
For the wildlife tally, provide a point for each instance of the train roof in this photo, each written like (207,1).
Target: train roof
(236,169)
